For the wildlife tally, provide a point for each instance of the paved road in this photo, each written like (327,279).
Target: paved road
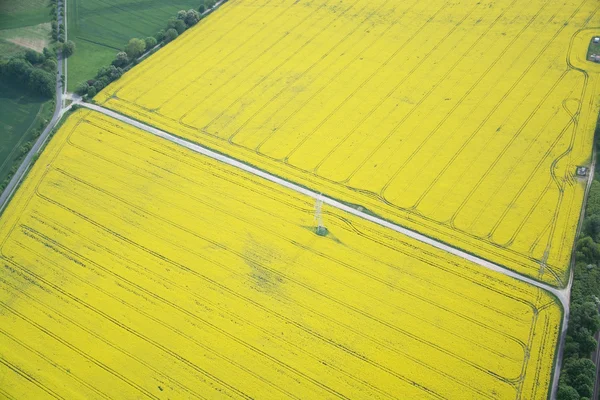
(58,112)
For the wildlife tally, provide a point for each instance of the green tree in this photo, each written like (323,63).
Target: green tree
(202,9)
(209,4)
(82,88)
(48,53)
(591,227)
(121,60)
(34,57)
(135,48)
(587,251)
(16,70)
(181,14)
(170,34)
(160,35)
(593,203)
(150,42)
(578,368)
(177,24)
(584,385)
(50,65)
(91,92)
(192,17)
(110,72)
(99,85)
(68,48)
(566,392)
(42,82)
(585,315)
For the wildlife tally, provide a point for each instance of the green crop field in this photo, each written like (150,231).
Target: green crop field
(20,13)
(20,116)
(100,29)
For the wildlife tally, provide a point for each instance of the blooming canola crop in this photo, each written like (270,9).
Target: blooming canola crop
(132,267)
(463,120)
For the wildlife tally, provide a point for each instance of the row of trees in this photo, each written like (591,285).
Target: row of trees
(58,30)
(137,47)
(578,371)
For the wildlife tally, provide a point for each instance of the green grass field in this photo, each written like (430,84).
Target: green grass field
(34,37)
(20,116)
(8,49)
(101,28)
(20,13)
(27,22)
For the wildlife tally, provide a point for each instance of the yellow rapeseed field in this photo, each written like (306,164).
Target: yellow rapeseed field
(134,268)
(461,119)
